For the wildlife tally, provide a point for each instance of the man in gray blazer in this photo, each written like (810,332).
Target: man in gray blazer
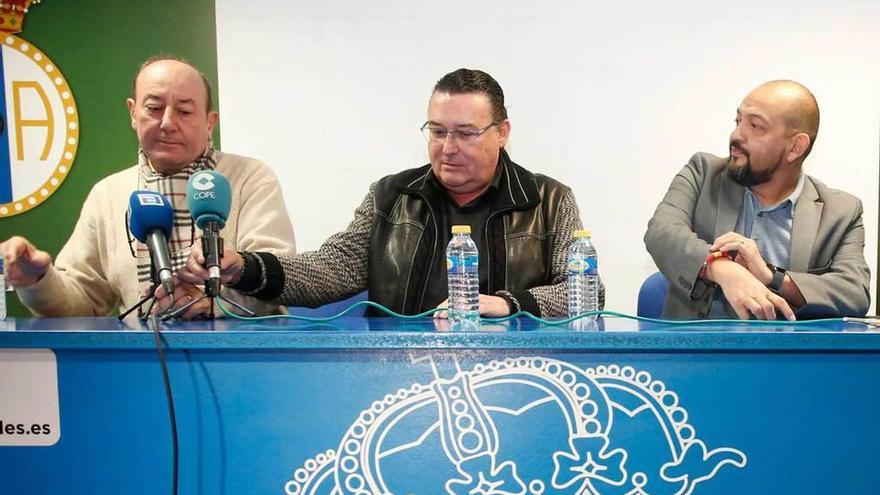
(751,236)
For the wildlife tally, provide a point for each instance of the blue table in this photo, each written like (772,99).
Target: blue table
(389,406)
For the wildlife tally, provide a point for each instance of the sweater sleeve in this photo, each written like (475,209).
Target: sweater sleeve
(77,284)
(335,271)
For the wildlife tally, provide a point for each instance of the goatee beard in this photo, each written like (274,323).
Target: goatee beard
(747,177)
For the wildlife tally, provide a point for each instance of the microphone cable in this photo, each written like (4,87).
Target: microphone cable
(169,398)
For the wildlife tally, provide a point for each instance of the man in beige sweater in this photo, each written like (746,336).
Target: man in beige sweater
(101,268)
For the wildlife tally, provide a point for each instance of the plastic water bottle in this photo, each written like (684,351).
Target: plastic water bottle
(2,292)
(583,276)
(462,267)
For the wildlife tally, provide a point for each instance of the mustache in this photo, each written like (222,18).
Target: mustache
(737,145)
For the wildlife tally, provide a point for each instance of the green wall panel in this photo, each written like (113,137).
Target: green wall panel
(98,45)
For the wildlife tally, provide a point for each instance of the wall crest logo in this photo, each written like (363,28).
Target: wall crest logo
(39,123)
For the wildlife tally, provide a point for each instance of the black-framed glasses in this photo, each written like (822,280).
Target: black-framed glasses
(436,133)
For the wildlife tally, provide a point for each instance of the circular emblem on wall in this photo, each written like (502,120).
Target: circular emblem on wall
(39,126)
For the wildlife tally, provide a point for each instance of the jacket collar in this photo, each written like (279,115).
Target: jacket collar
(517,189)
(730,199)
(807,213)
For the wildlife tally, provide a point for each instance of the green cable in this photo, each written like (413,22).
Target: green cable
(660,321)
(565,321)
(325,319)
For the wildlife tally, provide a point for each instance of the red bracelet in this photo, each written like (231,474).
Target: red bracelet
(715,255)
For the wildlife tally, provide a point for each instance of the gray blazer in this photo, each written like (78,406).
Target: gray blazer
(827,242)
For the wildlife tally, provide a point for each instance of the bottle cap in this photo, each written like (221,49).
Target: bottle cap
(581,233)
(461,229)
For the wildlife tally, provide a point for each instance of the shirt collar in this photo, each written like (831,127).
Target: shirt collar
(790,200)
(798,189)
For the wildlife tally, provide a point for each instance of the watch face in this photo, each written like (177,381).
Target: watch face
(778,278)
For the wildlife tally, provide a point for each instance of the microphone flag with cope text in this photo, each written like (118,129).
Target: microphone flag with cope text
(209,198)
(150,219)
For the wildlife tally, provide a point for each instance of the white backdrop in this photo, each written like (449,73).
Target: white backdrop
(610,99)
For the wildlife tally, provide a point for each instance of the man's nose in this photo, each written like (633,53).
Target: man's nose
(450,144)
(736,134)
(169,121)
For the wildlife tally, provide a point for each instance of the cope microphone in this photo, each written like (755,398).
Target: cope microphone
(150,219)
(209,197)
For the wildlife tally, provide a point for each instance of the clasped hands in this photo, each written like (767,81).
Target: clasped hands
(744,281)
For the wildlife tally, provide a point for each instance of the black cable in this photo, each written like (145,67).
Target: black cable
(170,400)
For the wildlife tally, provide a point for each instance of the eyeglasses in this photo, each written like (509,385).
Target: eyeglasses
(435,133)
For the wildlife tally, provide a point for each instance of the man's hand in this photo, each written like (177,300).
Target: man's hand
(184,293)
(746,294)
(490,306)
(24,264)
(195,272)
(748,255)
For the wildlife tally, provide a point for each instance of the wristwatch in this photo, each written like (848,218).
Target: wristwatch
(778,277)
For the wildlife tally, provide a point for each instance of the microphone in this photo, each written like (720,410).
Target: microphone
(209,197)
(150,219)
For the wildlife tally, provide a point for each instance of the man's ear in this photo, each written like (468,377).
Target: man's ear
(503,133)
(130,104)
(213,118)
(799,147)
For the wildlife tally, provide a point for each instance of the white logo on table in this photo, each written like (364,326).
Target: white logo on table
(590,449)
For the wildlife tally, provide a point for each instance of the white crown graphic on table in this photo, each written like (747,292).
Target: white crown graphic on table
(467,413)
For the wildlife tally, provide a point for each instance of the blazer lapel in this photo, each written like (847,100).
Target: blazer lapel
(805,225)
(730,199)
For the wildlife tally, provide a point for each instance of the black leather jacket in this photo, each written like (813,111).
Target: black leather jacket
(520,234)
(394,240)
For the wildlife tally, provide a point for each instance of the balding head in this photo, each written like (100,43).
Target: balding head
(794,103)
(170,113)
(175,60)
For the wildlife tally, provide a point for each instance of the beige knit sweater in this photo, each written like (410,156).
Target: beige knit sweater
(95,272)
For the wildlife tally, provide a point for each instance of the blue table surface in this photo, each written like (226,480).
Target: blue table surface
(781,409)
(370,333)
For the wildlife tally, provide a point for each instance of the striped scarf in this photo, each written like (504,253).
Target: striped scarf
(173,187)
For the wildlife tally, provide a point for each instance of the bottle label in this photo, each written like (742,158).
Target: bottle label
(592,266)
(461,264)
(577,264)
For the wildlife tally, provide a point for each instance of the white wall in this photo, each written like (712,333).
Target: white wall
(610,99)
